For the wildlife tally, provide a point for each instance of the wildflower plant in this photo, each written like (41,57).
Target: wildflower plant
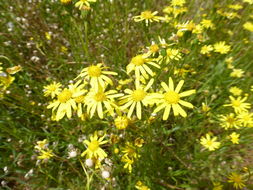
(126,94)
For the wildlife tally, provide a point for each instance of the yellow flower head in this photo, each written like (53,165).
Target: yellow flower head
(179,3)
(238,104)
(234,137)
(172,99)
(140,186)
(121,122)
(66,1)
(52,90)
(96,99)
(66,101)
(93,150)
(139,64)
(235,91)
(14,70)
(248,26)
(237,180)
(221,47)
(237,73)
(96,75)
(128,163)
(206,49)
(148,16)
(246,119)
(135,99)
(207,24)
(81,4)
(209,143)
(229,121)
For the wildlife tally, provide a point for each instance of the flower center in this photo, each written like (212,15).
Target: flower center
(79,99)
(171,97)
(138,95)
(100,97)
(230,120)
(138,60)
(154,48)
(209,143)
(236,103)
(64,96)
(93,146)
(52,88)
(147,15)
(94,71)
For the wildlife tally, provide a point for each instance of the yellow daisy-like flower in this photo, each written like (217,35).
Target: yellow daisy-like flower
(41,144)
(135,99)
(179,3)
(14,70)
(235,91)
(234,137)
(52,90)
(66,101)
(209,143)
(172,99)
(172,54)
(221,47)
(148,16)
(45,154)
(238,73)
(140,186)
(206,49)
(129,150)
(81,3)
(239,104)
(139,64)
(207,24)
(95,100)
(121,122)
(217,186)
(248,26)
(229,121)
(128,163)
(66,1)
(246,119)
(93,150)
(96,75)
(237,180)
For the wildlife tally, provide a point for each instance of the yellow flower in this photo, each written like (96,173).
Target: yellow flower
(154,48)
(128,163)
(66,101)
(13,70)
(138,142)
(48,36)
(41,144)
(96,99)
(172,54)
(246,119)
(235,91)
(179,3)
(135,99)
(45,154)
(172,98)
(140,186)
(235,6)
(52,89)
(234,137)
(65,1)
(248,26)
(121,122)
(96,75)
(237,180)
(229,121)
(148,16)
(84,3)
(207,24)
(93,150)
(209,143)
(130,151)
(221,47)
(238,73)
(248,1)
(238,104)
(206,49)
(139,64)
(217,186)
